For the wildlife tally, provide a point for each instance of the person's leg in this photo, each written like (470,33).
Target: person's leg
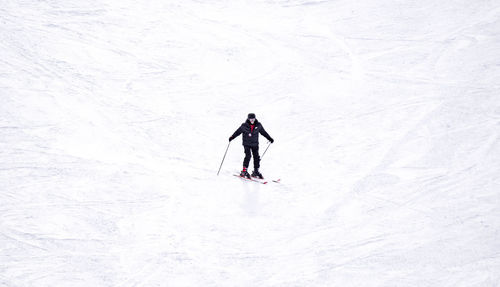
(248,155)
(246,161)
(256,157)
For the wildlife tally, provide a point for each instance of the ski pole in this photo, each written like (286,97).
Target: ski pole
(265,151)
(223,158)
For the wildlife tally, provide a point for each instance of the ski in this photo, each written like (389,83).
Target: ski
(250,179)
(273,180)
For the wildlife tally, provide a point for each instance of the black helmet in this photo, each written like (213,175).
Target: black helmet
(251,116)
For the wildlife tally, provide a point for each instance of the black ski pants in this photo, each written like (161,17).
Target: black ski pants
(249,150)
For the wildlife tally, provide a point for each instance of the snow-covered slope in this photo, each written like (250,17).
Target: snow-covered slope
(114,117)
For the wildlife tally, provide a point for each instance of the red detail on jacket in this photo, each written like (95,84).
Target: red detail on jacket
(252,127)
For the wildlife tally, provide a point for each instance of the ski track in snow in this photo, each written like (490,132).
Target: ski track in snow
(114,117)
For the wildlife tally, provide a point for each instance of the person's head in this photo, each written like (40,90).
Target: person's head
(251,118)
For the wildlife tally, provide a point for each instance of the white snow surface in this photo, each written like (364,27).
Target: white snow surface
(115,115)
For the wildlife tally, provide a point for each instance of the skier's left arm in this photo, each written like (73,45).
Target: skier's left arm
(265,134)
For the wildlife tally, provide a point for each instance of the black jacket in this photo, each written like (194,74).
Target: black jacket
(251,138)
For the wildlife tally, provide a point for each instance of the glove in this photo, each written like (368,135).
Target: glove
(271,140)
(231,138)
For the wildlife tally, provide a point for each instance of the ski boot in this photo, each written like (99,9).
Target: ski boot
(244,173)
(257,174)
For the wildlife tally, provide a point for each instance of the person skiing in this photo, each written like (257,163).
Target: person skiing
(250,130)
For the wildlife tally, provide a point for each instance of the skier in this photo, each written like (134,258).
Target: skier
(250,130)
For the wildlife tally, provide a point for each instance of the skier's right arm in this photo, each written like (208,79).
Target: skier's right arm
(235,134)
